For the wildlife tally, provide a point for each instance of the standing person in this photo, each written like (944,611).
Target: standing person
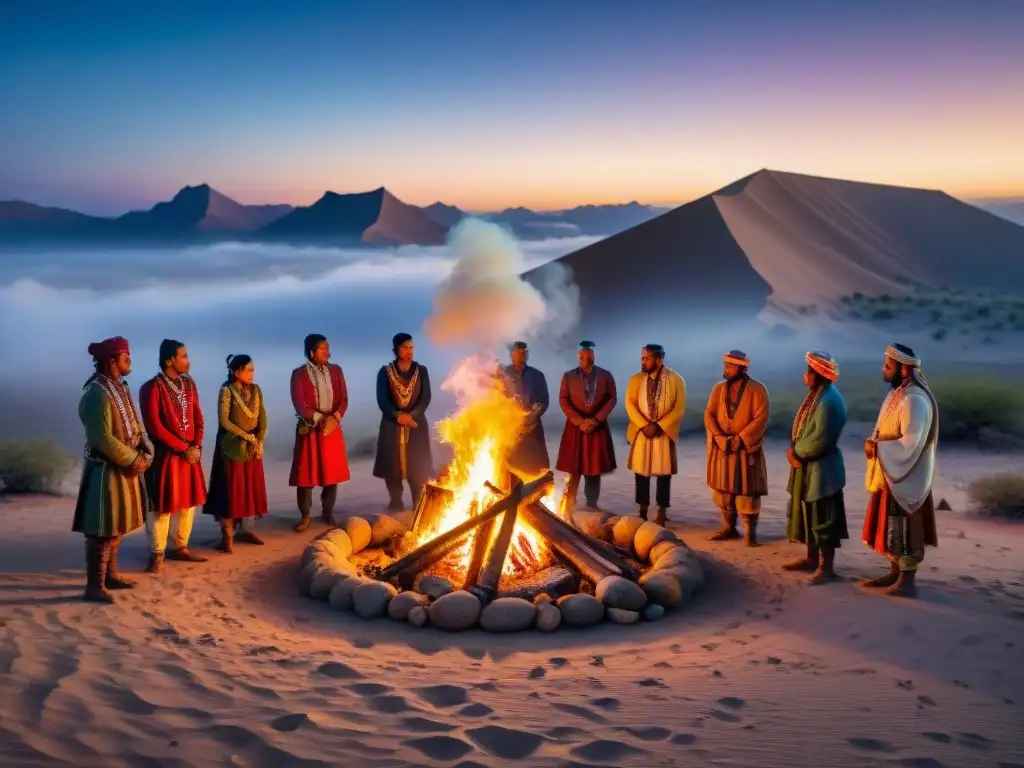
(112,495)
(238,488)
(403,441)
(655,404)
(736,419)
(529,387)
(175,482)
(587,397)
(817,513)
(319,460)
(900,519)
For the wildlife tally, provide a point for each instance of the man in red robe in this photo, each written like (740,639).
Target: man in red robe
(174,421)
(587,397)
(319,460)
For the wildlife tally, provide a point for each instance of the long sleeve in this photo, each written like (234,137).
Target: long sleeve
(609,404)
(670,422)
(543,398)
(261,422)
(710,416)
(341,395)
(95,410)
(633,403)
(423,401)
(387,407)
(224,414)
(197,417)
(899,456)
(753,433)
(149,397)
(822,433)
(565,403)
(303,407)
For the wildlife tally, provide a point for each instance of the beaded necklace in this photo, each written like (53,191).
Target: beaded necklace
(179,397)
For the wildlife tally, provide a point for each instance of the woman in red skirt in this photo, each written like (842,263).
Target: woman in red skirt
(238,489)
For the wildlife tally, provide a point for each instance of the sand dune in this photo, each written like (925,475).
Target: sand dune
(222,664)
(786,241)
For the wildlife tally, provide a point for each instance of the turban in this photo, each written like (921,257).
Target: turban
(903,358)
(655,349)
(736,357)
(587,345)
(518,345)
(824,364)
(108,348)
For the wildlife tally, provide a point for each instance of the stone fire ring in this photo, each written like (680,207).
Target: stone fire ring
(674,576)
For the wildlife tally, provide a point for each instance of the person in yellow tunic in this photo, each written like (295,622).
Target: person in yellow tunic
(655,404)
(736,419)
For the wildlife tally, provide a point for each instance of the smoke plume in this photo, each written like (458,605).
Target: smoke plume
(485,304)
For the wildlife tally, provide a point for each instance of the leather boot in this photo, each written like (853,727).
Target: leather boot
(156,562)
(750,526)
(642,511)
(247,537)
(884,581)
(328,497)
(304,498)
(113,579)
(185,555)
(661,518)
(827,571)
(728,530)
(96,555)
(227,536)
(808,563)
(905,586)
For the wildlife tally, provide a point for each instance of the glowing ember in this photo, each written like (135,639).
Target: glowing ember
(482,433)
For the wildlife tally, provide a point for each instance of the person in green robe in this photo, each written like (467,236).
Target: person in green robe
(817,514)
(112,498)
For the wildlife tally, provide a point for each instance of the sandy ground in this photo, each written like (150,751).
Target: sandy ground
(222,664)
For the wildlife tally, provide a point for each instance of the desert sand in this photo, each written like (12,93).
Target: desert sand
(222,663)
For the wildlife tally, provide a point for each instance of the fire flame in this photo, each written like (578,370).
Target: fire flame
(482,433)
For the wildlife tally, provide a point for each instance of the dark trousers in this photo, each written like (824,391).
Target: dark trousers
(591,488)
(663,489)
(396,489)
(328,496)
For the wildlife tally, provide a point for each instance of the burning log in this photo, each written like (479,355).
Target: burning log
(436,548)
(567,504)
(589,563)
(429,506)
(487,582)
(608,551)
(478,552)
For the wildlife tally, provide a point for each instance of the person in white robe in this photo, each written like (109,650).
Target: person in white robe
(900,519)
(655,404)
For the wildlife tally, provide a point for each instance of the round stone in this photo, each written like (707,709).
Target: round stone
(653,611)
(433,587)
(620,592)
(590,522)
(341,594)
(662,547)
(580,610)
(385,528)
(418,616)
(507,614)
(455,611)
(675,556)
(624,530)
(306,574)
(690,575)
(370,600)
(662,587)
(647,536)
(359,533)
(548,617)
(340,540)
(402,603)
(543,597)
(324,581)
(619,616)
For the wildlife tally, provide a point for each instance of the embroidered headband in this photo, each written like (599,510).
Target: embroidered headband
(902,357)
(824,364)
(736,357)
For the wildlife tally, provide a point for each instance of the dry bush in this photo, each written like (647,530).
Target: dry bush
(33,466)
(1001,495)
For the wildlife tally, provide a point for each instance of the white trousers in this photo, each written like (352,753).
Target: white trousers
(159,529)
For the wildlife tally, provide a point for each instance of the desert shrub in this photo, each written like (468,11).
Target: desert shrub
(33,466)
(971,409)
(882,314)
(1001,494)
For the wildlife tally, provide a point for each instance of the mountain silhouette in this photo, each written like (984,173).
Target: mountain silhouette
(377,218)
(781,242)
(199,209)
(446,215)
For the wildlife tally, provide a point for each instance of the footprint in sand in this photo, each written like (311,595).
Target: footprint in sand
(941,738)
(919,762)
(654,733)
(607,751)
(444,695)
(684,739)
(444,748)
(650,682)
(558,662)
(475,710)
(725,717)
(389,705)
(369,689)
(973,741)
(506,743)
(732,702)
(566,733)
(583,712)
(662,665)
(606,703)
(870,745)
(292,722)
(537,672)
(338,671)
(425,725)
(487,686)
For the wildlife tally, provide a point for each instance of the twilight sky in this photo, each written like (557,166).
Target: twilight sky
(115,104)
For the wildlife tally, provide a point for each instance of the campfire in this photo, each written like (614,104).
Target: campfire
(484,528)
